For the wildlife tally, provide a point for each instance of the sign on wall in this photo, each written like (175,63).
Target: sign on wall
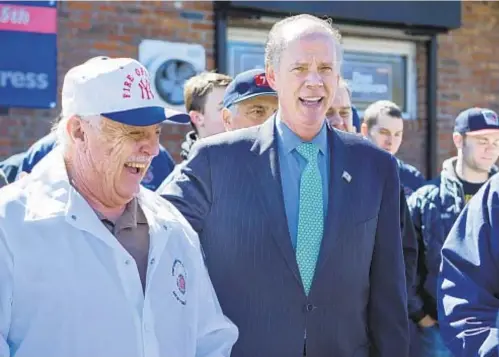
(373,76)
(28,60)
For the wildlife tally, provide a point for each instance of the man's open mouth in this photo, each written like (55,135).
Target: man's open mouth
(311,101)
(135,167)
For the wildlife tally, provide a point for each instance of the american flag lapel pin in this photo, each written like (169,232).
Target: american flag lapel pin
(346,176)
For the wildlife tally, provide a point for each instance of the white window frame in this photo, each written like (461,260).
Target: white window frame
(357,44)
(394,47)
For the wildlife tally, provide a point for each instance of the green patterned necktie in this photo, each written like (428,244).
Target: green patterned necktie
(310,216)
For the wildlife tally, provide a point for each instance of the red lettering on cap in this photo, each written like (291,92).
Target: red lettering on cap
(143,83)
(145,88)
(261,80)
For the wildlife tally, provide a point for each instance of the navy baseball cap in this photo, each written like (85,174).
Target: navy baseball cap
(246,85)
(476,121)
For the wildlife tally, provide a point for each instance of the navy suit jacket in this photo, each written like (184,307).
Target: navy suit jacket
(230,191)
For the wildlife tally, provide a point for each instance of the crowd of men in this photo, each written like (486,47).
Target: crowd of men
(290,228)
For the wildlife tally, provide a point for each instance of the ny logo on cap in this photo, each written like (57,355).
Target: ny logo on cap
(261,80)
(143,83)
(490,117)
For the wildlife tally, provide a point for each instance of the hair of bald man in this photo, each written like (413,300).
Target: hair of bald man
(277,41)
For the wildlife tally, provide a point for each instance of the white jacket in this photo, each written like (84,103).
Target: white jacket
(69,289)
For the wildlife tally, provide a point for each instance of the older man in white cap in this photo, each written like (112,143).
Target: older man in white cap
(91,263)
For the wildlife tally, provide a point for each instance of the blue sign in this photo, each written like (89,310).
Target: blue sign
(244,56)
(368,82)
(374,76)
(28,64)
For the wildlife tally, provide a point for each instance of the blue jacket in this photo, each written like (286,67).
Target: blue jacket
(160,168)
(434,209)
(468,285)
(410,178)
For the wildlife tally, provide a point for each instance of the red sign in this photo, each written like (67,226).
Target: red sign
(28,19)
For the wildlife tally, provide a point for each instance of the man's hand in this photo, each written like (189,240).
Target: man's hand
(427,321)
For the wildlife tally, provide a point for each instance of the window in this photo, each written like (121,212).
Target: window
(381,69)
(374,69)
(245,50)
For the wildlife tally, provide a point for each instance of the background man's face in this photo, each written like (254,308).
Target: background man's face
(340,115)
(212,123)
(251,112)
(387,133)
(480,152)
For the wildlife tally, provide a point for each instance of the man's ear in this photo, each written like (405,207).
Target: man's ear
(270,75)
(227,119)
(196,118)
(76,129)
(458,140)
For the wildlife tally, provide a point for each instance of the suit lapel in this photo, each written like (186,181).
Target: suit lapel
(337,189)
(267,176)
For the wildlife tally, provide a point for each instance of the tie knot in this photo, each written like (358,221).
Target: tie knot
(309,151)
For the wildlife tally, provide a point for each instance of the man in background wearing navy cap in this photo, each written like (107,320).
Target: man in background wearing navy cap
(435,207)
(248,100)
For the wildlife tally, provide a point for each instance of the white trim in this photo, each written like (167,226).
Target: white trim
(403,48)
(247,35)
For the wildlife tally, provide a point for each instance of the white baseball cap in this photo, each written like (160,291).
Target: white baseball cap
(118,89)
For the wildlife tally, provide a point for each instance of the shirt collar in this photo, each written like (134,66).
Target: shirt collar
(290,141)
(132,215)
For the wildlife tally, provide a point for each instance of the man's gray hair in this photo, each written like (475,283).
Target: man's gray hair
(60,130)
(277,40)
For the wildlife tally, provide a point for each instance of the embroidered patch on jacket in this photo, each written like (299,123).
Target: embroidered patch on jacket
(180,275)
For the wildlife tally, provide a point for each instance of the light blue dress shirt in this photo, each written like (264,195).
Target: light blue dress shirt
(291,165)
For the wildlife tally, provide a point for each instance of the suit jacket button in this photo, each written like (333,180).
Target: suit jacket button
(309,307)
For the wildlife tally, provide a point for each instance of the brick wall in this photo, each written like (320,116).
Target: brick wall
(468,66)
(87,29)
(413,148)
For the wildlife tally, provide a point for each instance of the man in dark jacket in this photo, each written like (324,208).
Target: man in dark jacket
(436,206)
(468,285)
(384,126)
(340,116)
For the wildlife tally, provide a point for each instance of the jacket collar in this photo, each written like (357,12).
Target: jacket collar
(449,169)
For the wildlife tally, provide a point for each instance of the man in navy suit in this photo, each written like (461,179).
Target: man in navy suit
(299,223)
